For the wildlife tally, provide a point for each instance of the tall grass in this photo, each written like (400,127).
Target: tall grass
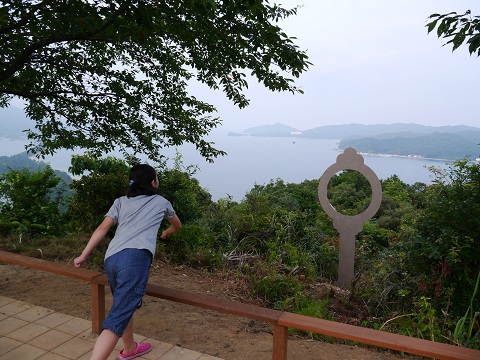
(463,333)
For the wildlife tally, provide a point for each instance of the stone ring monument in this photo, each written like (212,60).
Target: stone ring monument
(349,226)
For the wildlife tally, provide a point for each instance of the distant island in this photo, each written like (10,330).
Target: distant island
(399,139)
(406,140)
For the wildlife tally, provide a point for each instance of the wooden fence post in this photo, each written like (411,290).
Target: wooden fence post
(98,307)
(280,338)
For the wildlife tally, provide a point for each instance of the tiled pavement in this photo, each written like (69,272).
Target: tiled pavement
(29,332)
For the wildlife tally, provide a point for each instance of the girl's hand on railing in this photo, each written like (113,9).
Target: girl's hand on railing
(79,260)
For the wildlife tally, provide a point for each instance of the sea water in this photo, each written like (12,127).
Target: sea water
(258,160)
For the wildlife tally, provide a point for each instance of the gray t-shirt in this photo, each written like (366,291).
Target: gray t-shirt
(138,220)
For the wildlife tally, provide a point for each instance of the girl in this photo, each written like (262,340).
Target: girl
(138,216)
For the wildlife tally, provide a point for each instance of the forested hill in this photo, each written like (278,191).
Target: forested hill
(436,142)
(359,131)
(435,146)
(23,161)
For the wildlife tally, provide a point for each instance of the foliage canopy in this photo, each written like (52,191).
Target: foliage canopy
(98,75)
(457,29)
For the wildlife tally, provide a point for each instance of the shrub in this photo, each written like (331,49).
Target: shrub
(192,245)
(31,202)
(276,288)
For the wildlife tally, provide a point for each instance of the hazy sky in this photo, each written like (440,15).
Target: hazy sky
(373,62)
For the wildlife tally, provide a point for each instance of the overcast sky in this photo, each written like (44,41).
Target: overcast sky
(373,63)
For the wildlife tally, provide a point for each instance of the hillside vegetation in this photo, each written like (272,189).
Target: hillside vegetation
(448,146)
(416,267)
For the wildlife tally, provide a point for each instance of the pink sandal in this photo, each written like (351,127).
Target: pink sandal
(142,348)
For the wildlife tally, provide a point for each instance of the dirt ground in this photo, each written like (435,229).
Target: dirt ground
(226,336)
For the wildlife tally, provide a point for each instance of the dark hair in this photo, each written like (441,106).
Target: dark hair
(141,177)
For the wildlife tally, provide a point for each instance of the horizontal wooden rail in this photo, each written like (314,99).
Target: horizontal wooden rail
(280,320)
(377,338)
(49,266)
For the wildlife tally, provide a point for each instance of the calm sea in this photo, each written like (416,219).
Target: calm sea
(257,160)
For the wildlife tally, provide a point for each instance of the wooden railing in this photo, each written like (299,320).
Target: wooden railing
(281,320)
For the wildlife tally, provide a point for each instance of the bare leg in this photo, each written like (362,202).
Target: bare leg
(104,346)
(127,338)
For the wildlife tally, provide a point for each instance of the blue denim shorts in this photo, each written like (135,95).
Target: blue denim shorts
(127,273)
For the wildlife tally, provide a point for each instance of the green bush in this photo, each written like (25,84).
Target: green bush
(325,258)
(7,227)
(443,250)
(349,192)
(94,195)
(305,304)
(422,323)
(31,202)
(102,181)
(178,185)
(192,245)
(276,288)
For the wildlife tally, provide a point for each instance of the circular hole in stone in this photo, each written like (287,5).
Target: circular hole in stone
(349,192)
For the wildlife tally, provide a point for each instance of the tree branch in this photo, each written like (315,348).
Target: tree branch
(24,56)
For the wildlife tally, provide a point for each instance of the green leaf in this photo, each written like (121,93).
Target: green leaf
(431,26)
(458,40)
(474,43)
(441,29)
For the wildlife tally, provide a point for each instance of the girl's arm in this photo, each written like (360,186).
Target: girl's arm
(95,239)
(175,225)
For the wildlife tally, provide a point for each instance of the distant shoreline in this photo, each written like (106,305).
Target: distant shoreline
(413,157)
(407,144)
